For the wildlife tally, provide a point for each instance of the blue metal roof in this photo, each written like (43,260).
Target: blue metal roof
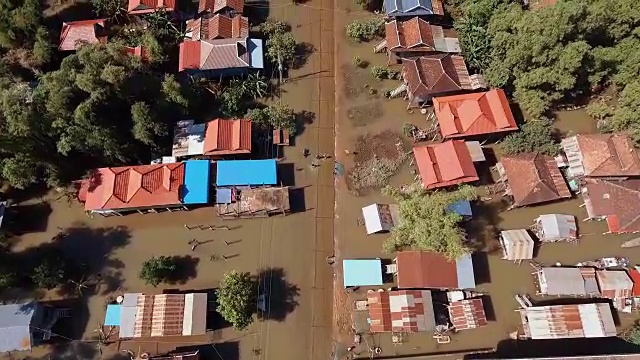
(246,172)
(112,317)
(196,182)
(408,7)
(362,272)
(464,270)
(223,196)
(462,207)
(256,53)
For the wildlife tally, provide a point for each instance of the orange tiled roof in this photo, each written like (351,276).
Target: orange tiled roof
(149,6)
(75,33)
(608,155)
(617,201)
(133,187)
(430,75)
(218,27)
(417,34)
(225,137)
(474,114)
(217,6)
(534,178)
(445,164)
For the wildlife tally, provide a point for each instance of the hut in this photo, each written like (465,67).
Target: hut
(427,270)
(517,245)
(380,217)
(252,203)
(617,202)
(362,272)
(401,310)
(601,155)
(568,321)
(617,286)
(467,314)
(566,281)
(556,227)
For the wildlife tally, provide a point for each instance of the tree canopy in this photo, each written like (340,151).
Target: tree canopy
(158,269)
(535,136)
(237,298)
(278,115)
(426,223)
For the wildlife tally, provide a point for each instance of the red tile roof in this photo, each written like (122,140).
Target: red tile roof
(213,54)
(534,178)
(608,155)
(75,33)
(216,6)
(225,137)
(474,114)
(149,6)
(421,269)
(634,274)
(416,34)
(430,75)
(617,201)
(445,164)
(467,314)
(401,310)
(218,27)
(133,187)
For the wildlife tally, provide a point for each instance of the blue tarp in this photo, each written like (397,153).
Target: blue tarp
(461,207)
(362,272)
(246,172)
(196,182)
(112,318)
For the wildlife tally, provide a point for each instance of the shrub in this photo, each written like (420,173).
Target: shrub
(366,30)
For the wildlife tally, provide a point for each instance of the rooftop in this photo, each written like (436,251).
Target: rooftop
(474,114)
(614,280)
(220,54)
(259,200)
(413,7)
(533,179)
(401,310)
(76,33)
(417,34)
(218,27)
(216,6)
(225,137)
(362,272)
(617,201)
(568,321)
(15,326)
(149,6)
(380,217)
(435,74)
(516,245)
(445,164)
(467,314)
(246,172)
(634,274)
(603,155)
(571,281)
(420,269)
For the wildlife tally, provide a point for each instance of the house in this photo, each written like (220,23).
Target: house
(416,37)
(380,217)
(467,314)
(246,173)
(556,227)
(617,202)
(220,57)
(435,74)
(218,137)
(76,33)
(445,164)
(427,270)
(144,316)
(394,8)
(568,321)
(401,311)
(252,203)
(362,272)
(601,155)
(139,7)
(211,27)
(532,179)
(228,7)
(112,191)
(617,286)
(24,325)
(474,114)
(566,281)
(517,245)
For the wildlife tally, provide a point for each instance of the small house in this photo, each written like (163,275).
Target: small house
(427,270)
(212,27)
(76,33)
(362,272)
(532,179)
(467,314)
(617,286)
(401,311)
(140,7)
(416,37)
(567,281)
(617,202)
(380,217)
(601,155)
(252,203)
(474,114)
(25,325)
(568,321)
(556,227)
(226,7)
(220,57)
(517,245)
(230,173)
(397,8)
(445,164)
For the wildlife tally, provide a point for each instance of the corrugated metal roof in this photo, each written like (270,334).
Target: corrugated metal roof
(413,7)
(362,272)
(616,280)
(149,6)
(617,201)
(568,321)
(467,314)
(76,33)
(15,326)
(420,269)
(430,75)
(561,281)
(225,137)
(554,227)
(401,310)
(379,217)
(516,245)
(445,164)
(607,154)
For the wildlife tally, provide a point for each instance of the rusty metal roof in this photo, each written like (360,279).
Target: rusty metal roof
(608,155)
(401,310)
(431,75)
(224,137)
(568,321)
(421,269)
(467,314)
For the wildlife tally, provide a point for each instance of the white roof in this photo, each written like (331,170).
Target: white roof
(557,227)
(516,244)
(188,139)
(561,281)
(614,280)
(195,314)
(379,217)
(568,321)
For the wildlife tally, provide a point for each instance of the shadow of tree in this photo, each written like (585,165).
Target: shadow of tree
(302,52)
(303,118)
(186,269)
(280,294)
(482,229)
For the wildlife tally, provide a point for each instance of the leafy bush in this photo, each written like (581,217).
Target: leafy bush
(366,30)
(534,136)
(237,298)
(381,73)
(158,269)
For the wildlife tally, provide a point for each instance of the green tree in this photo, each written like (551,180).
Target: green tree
(109,8)
(271,27)
(278,115)
(366,30)
(427,224)
(50,272)
(19,22)
(237,298)
(42,48)
(281,49)
(158,269)
(534,136)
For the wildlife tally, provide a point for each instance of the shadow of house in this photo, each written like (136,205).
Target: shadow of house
(215,321)
(489,310)
(258,12)
(281,296)
(481,270)
(228,350)
(286,174)
(564,348)
(24,219)
(297,200)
